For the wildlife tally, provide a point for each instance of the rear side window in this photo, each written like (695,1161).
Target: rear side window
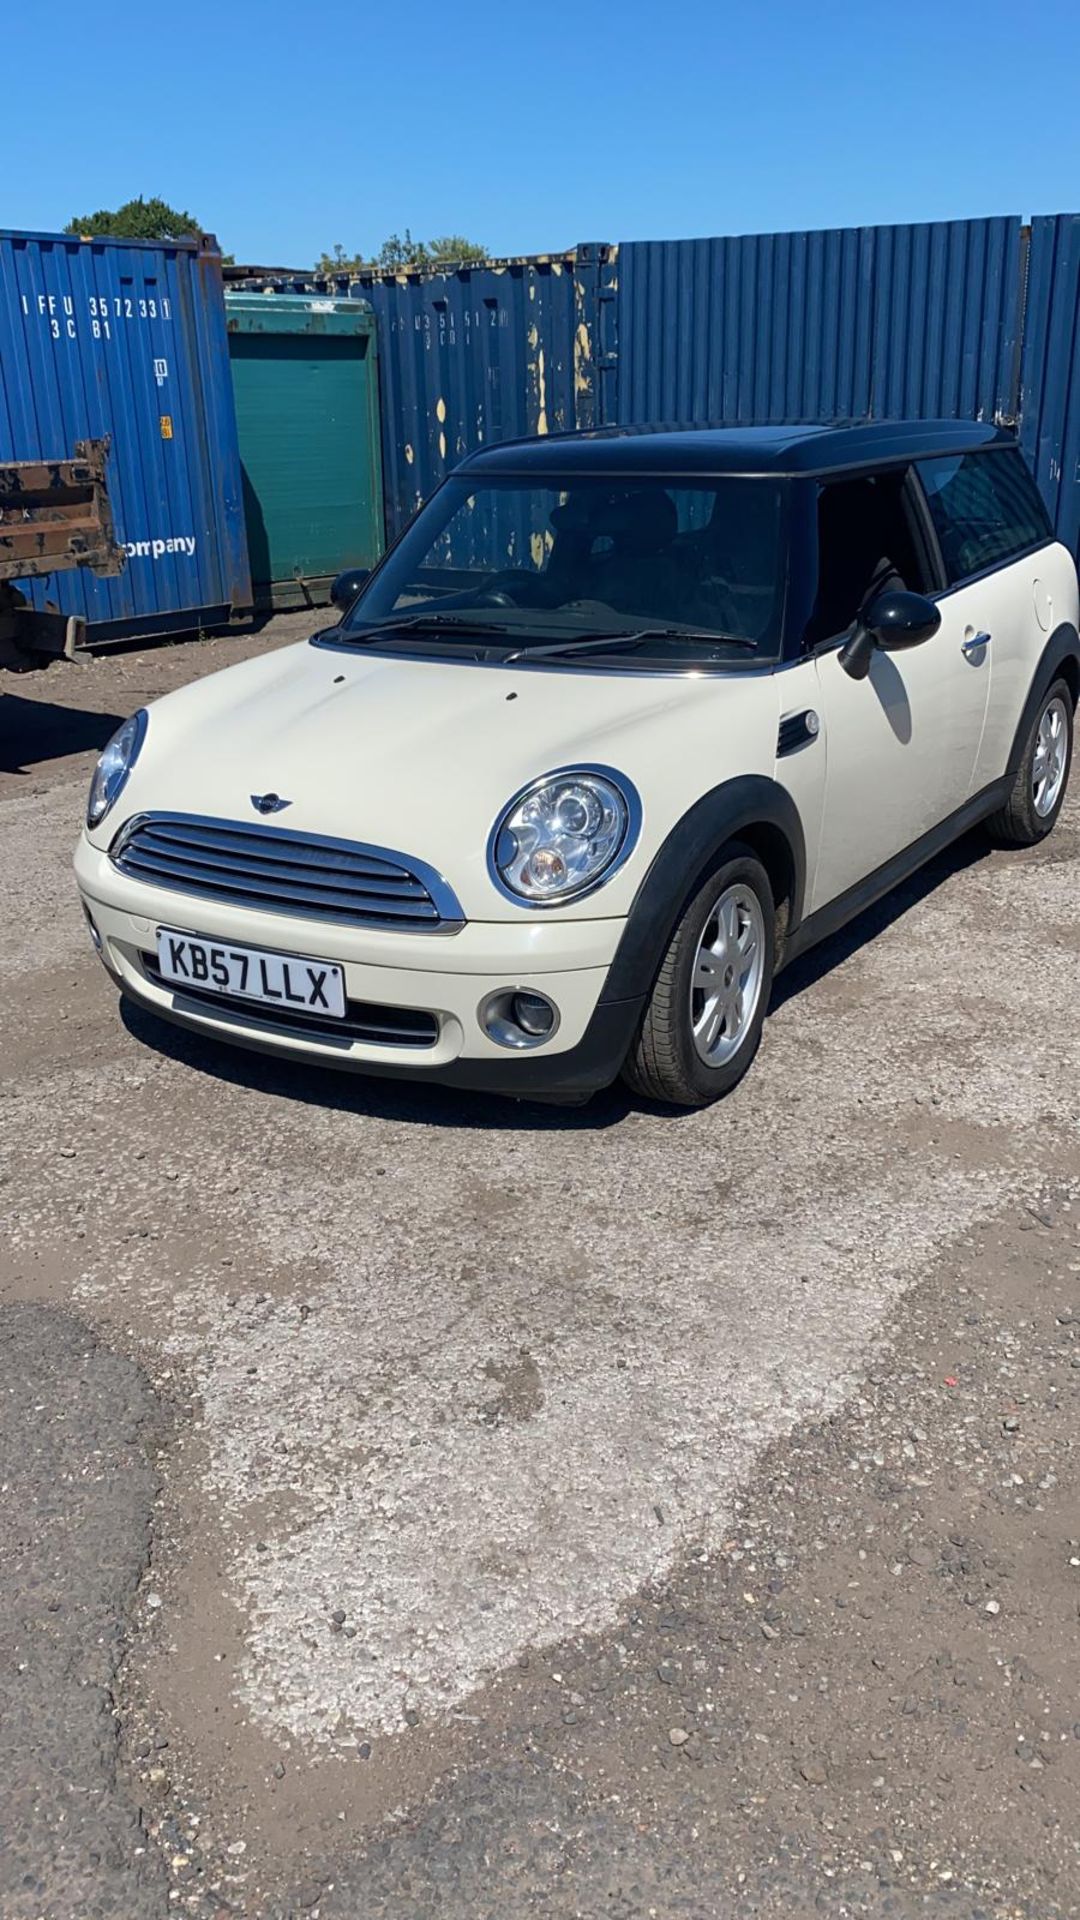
(986,508)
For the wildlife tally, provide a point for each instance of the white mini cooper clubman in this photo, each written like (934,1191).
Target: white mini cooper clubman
(624,722)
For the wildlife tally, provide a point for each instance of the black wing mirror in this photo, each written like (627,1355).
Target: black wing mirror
(894,620)
(348,585)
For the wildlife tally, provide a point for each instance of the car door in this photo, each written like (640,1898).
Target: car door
(901,746)
(992,531)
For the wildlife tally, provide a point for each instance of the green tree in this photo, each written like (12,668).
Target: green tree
(455,250)
(339,261)
(400,252)
(141,220)
(137,220)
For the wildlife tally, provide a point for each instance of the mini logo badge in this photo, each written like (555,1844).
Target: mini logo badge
(269,803)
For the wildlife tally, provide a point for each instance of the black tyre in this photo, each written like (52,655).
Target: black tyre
(1038,789)
(702,1024)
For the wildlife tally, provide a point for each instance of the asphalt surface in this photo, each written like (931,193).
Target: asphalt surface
(77,1426)
(590,1512)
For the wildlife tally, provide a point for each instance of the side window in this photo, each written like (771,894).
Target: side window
(986,509)
(867,543)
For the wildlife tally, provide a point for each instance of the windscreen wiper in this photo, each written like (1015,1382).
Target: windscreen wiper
(426,623)
(632,638)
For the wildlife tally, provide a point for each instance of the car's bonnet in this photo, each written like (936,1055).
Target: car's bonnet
(418,756)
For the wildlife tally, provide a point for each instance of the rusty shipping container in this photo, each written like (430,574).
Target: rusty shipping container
(473,354)
(125,341)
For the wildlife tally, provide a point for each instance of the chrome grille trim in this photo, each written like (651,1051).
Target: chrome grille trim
(277,870)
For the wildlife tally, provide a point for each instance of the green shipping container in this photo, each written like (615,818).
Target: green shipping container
(305,379)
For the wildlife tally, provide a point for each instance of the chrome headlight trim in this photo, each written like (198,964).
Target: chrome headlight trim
(137,722)
(633,814)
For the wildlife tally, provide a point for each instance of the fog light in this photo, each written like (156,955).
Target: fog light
(534,1013)
(515,1018)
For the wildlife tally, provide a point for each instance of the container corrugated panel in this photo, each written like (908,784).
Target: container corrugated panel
(919,321)
(305,380)
(1050,374)
(128,339)
(476,355)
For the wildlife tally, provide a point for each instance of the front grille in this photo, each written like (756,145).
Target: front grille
(381,1026)
(276,871)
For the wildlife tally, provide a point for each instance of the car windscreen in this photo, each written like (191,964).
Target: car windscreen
(687,571)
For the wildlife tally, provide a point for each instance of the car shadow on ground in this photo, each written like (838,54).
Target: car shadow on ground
(867,926)
(406,1101)
(434,1106)
(32,731)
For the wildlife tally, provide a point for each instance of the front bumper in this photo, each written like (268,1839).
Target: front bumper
(448,977)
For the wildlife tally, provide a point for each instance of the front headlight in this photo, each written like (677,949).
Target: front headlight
(563,835)
(112,769)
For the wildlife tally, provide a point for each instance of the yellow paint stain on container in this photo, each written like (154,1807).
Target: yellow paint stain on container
(409,454)
(582,360)
(537,549)
(442,446)
(542,423)
(440,409)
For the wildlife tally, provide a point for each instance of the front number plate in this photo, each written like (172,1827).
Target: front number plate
(287,980)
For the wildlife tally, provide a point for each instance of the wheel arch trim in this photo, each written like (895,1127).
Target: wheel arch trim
(1060,658)
(750,807)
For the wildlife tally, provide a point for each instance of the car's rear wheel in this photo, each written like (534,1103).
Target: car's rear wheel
(1038,789)
(702,1024)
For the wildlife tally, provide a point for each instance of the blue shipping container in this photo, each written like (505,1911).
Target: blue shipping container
(864,321)
(476,354)
(1050,379)
(128,339)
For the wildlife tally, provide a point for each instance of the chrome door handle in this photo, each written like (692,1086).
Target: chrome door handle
(976,643)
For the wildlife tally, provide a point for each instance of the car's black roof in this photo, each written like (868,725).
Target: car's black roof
(828,448)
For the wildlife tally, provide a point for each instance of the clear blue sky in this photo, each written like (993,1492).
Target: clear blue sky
(286,127)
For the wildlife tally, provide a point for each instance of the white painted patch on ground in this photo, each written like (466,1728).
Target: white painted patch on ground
(456,1527)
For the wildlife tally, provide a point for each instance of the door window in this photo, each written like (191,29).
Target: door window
(868,542)
(986,509)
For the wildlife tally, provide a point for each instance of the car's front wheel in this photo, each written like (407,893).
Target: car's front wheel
(1038,788)
(702,1024)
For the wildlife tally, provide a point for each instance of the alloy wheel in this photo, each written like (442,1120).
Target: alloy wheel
(1051,755)
(726,978)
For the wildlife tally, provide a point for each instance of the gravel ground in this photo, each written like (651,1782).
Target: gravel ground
(589,1512)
